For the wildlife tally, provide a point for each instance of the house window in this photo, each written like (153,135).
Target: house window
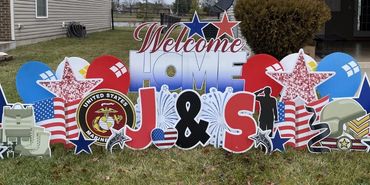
(41,8)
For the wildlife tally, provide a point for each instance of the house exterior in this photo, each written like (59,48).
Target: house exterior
(350,20)
(30,21)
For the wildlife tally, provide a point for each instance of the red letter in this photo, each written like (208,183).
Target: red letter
(235,43)
(179,40)
(141,138)
(237,119)
(167,45)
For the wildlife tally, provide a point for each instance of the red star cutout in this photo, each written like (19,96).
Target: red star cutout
(300,82)
(69,88)
(225,26)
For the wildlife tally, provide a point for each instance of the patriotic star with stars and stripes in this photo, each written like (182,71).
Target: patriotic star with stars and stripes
(69,87)
(301,82)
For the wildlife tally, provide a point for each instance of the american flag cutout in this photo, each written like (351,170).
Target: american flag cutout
(293,121)
(72,129)
(164,139)
(58,118)
(286,121)
(303,130)
(49,114)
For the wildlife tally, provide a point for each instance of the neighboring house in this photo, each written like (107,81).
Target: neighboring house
(30,21)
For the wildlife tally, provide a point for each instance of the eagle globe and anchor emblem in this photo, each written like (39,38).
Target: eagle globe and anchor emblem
(103,110)
(105,122)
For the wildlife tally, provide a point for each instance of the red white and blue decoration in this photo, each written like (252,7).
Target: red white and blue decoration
(26,81)
(50,114)
(278,142)
(290,61)
(225,27)
(213,108)
(166,104)
(262,138)
(164,139)
(301,82)
(112,71)
(79,67)
(363,97)
(347,74)
(82,144)
(3,101)
(195,26)
(366,142)
(255,68)
(69,87)
(183,90)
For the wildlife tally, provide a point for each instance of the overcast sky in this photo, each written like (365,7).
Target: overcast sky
(169,1)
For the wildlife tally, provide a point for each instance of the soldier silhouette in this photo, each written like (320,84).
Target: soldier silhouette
(268,112)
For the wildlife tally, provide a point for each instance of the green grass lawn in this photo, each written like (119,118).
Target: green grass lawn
(152,166)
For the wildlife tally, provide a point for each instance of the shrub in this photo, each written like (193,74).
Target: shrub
(280,27)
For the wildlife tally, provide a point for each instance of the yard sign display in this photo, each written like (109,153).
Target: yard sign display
(183,89)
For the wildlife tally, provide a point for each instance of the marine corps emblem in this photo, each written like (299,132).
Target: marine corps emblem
(104,110)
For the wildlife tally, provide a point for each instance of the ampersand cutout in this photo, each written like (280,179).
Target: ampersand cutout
(190,132)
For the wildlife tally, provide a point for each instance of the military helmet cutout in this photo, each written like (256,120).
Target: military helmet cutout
(337,113)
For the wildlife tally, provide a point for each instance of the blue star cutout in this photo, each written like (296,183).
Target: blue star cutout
(364,98)
(278,143)
(195,26)
(82,144)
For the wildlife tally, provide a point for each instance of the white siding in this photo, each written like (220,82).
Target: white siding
(94,14)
